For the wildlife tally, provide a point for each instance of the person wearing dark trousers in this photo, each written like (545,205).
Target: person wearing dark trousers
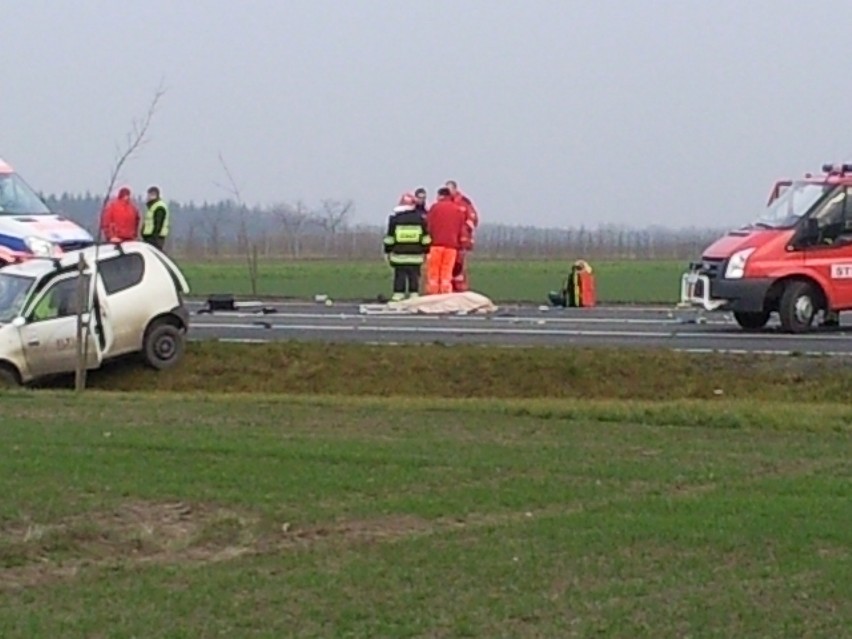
(155,226)
(420,201)
(406,245)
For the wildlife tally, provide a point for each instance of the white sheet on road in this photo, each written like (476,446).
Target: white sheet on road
(444,304)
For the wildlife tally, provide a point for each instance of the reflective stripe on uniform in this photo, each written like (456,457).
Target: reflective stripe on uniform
(405,260)
(405,234)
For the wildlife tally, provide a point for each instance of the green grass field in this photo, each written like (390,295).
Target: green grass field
(636,281)
(215,516)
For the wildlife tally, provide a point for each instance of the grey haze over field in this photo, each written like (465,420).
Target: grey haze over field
(554,112)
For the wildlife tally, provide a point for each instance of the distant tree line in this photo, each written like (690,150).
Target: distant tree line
(225,229)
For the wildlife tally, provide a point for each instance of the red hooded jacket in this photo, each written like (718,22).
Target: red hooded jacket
(120,221)
(445,222)
(471,219)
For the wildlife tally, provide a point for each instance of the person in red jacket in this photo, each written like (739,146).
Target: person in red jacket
(460,278)
(445,222)
(120,220)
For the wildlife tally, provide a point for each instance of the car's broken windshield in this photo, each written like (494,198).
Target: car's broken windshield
(13,294)
(791,205)
(17,198)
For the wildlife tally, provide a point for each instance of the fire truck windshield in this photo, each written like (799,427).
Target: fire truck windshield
(791,205)
(17,198)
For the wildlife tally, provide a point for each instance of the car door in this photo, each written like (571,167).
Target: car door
(830,254)
(102,320)
(121,277)
(49,337)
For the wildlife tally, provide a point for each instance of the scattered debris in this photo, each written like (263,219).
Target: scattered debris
(228,304)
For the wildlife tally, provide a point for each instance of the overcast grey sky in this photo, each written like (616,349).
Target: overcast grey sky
(551,112)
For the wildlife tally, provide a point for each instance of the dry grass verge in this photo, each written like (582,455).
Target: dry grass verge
(477,372)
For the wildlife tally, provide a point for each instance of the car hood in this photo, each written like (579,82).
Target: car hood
(735,241)
(49,227)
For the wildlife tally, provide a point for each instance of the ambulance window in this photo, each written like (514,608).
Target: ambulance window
(122,272)
(17,198)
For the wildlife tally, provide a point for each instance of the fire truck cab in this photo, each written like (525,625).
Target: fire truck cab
(795,259)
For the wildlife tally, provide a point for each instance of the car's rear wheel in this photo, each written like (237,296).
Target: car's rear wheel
(164,346)
(753,320)
(799,305)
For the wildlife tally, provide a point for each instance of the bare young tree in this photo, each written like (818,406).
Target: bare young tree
(136,139)
(293,219)
(243,242)
(334,214)
(212,225)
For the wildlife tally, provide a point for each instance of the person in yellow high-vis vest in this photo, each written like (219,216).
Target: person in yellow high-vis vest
(155,225)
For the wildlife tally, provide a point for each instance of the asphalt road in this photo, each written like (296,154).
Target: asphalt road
(517,326)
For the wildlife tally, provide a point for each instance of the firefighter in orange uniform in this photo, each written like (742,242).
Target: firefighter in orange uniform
(445,222)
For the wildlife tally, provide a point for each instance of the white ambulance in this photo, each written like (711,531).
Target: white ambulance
(28,227)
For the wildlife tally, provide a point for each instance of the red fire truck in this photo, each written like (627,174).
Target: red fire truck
(795,259)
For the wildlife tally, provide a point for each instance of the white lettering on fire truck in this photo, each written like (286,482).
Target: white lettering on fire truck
(841,271)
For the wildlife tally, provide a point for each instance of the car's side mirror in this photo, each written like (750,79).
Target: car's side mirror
(19,322)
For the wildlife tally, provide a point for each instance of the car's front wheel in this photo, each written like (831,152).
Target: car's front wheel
(164,346)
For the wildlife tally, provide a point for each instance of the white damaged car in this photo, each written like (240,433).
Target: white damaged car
(137,307)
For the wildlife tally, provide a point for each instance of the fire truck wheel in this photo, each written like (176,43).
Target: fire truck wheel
(752,321)
(798,307)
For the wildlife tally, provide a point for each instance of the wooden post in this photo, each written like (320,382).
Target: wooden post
(82,298)
(253,269)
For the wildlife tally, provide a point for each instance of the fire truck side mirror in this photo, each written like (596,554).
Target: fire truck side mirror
(811,232)
(807,235)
